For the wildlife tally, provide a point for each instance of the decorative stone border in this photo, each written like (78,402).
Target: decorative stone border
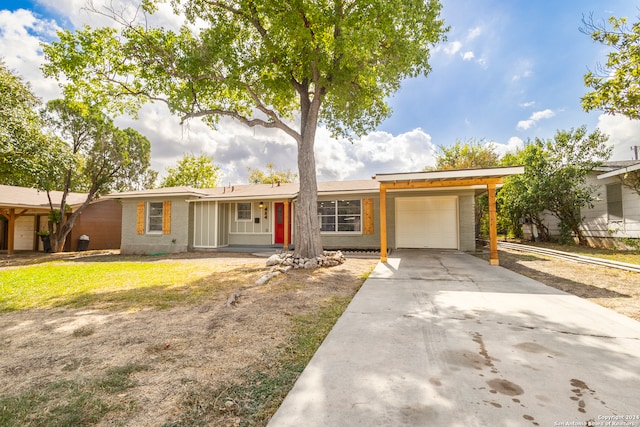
(327,259)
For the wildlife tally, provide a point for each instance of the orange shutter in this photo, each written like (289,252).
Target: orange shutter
(140,218)
(367,214)
(166,217)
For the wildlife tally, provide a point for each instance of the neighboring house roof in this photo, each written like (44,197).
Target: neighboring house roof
(157,192)
(618,168)
(31,198)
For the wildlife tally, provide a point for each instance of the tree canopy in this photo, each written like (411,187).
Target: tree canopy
(27,154)
(104,158)
(193,171)
(271,175)
(554,180)
(279,64)
(469,155)
(616,85)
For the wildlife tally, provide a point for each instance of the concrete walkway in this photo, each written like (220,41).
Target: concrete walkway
(440,338)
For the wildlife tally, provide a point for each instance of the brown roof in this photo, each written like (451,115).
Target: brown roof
(253,191)
(31,198)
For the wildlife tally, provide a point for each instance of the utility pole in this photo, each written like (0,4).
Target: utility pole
(634,148)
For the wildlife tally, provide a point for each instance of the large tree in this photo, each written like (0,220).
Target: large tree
(616,84)
(28,155)
(555,180)
(104,158)
(194,171)
(282,64)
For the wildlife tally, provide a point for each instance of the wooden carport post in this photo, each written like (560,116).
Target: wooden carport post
(493,226)
(383,223)
(11,217)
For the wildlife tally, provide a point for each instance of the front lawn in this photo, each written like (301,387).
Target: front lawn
(114,285)
(133,341)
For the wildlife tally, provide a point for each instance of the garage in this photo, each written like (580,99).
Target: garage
(427,222)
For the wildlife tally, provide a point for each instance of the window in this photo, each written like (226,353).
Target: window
(154,217)
(243,212)
(614,203)
(340,215)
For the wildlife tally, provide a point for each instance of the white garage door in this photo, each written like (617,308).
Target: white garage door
(427,222)
(24,234)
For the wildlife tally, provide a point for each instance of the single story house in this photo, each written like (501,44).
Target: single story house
(615,215)
(24,212)
(403,210)
(616,211)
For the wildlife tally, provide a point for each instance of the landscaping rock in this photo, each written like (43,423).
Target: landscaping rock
(287,261)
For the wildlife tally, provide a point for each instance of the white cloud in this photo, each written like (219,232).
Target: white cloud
(544,114)
(527,104)
(452,48)
(20,35)
(523,75)
(534,118)
(483,62)
(377,152)
(474,33)
(77,13)
(623,134)
(513,144)
(468,56)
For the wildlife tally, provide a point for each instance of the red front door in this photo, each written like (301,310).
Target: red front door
(279,223)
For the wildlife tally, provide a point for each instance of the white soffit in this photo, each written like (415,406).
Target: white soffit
(451,174)
(620,171)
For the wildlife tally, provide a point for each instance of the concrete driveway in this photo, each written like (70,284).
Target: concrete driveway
(437,338)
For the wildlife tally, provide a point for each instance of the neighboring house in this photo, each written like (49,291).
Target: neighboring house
(406,210)
(616,212)
(24,211)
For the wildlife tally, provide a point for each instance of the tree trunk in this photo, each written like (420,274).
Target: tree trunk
(307,236)
(543,231)
(62,229)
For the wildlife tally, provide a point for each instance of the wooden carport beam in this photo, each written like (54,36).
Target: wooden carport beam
(490,183)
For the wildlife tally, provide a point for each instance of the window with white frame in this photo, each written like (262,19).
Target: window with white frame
(614,203)
(243,211)
(154,217)
(340,216)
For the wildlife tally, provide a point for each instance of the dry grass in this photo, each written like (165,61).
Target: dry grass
(193,345)
(616,289)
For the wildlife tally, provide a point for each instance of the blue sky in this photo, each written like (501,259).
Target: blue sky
(509,71)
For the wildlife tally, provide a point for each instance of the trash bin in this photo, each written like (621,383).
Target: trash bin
(83,243)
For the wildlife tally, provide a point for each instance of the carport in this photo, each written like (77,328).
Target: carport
(434,216)
(24,206)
